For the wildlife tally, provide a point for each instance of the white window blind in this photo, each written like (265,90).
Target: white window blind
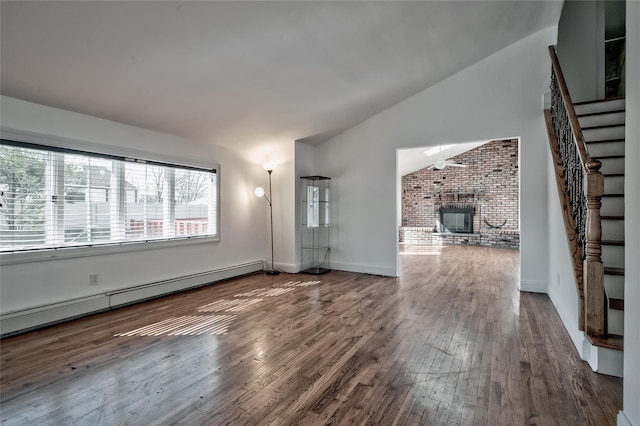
(51,198)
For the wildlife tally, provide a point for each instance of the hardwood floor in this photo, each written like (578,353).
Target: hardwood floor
(450,342)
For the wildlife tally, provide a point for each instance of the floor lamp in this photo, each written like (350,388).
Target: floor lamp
(269,167)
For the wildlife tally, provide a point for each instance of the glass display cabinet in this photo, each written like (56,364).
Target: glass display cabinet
(314,233)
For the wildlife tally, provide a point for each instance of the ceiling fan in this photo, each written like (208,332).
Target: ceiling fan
(441,163)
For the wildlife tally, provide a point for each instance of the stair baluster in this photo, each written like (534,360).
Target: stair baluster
(585,186)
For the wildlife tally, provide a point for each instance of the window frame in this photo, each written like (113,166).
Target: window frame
(70,146)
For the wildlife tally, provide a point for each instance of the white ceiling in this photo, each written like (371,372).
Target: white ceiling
(413,159)
(242,73)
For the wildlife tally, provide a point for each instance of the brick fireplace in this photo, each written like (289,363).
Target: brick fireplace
(482,200)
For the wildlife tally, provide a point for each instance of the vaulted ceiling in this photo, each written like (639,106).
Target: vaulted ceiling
(241,73)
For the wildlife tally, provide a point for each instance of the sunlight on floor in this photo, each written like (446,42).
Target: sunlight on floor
(265,292)
(419,250)
(229,305)
(185,325)
(214,324)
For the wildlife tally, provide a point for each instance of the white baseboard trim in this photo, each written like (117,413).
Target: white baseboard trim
(364,268)
(577,336)
(27,319)
(289,268)
(623,420)
(533,286)
(146,291)
(601,360)
(604,360)
(30,318)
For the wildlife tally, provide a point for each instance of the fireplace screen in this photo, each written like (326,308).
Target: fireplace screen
(456,220)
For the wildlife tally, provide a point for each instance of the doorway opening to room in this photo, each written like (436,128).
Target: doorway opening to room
(459,194)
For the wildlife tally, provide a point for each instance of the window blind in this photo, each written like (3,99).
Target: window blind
(52,197)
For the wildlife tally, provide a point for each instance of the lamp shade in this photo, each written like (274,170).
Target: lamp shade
(259,191)
(269,166)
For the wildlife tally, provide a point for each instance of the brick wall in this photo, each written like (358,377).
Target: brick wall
(489,184)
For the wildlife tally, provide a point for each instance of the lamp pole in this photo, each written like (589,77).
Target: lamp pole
(272,271)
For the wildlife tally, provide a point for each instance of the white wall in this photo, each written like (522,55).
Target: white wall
(498,97)
(281,152)
(242,224)
(305,166)
(579,47)
(284,193)
(631,404)
(562,285)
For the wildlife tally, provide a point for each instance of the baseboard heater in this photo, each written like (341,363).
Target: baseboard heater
(23,320)
(155,289)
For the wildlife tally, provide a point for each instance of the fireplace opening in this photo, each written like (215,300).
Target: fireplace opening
(456,220)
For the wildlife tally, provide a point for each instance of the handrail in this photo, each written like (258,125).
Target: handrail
(584,185)
(571,112)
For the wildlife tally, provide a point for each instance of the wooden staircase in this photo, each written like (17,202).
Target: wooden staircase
(588,147)
(602,124)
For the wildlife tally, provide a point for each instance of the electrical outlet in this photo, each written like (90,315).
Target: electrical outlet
(93,279)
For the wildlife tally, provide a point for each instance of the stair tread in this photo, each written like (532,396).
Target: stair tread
(613,271)
(599,101)
(612,242)
(603,126)
(609,156)
(613,175)
(605,141)
(612,195)
(613,341)
(590,114)
(617,304)
(609,217)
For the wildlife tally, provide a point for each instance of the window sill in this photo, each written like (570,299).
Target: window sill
(99,250)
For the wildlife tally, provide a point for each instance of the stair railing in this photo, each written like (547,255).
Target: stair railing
(584,186)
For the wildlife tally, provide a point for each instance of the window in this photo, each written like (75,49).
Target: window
(51,197)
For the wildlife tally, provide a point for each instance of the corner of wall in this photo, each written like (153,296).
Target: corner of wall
(632,226)
(533,286)
(603,360)
(571,325)
(623,420)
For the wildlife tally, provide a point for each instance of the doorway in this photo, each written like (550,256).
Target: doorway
(476,182)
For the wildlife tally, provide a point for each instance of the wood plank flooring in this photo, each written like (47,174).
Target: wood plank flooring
(450,342)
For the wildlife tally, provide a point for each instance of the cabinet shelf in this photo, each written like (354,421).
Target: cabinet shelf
(314,224)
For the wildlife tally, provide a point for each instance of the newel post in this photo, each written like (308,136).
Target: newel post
(595,304)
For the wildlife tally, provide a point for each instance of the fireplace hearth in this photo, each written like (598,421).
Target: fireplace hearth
(456,220)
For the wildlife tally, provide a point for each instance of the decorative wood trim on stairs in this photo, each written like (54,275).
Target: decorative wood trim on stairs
(594,293)
(585,187)
(568,105)
(612,341)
